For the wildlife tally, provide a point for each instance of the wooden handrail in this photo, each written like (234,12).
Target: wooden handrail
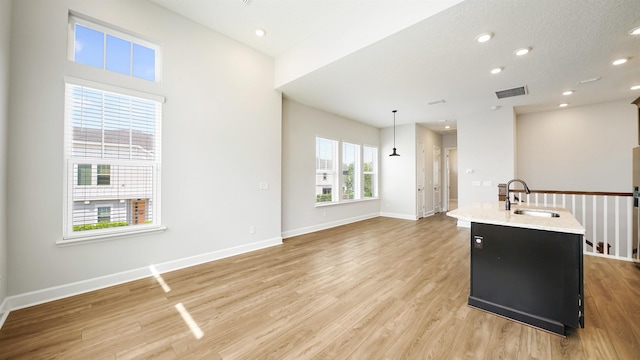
(600,193)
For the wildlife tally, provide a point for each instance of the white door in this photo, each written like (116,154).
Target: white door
(437,170)
(420,193)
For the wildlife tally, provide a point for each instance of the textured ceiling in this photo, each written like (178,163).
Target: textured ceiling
(407,66)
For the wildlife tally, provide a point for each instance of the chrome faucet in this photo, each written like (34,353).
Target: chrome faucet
(507,202)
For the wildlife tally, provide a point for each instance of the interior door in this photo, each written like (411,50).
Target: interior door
(437,170)
(420,181)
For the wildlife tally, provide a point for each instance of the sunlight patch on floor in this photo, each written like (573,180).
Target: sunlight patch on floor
(195,329)
(159,279)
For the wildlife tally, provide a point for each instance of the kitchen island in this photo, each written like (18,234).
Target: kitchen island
(526,267)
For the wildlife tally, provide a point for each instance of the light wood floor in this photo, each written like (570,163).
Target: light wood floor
(378,289)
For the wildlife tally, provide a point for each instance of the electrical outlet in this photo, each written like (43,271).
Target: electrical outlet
(264,186)
(252,230)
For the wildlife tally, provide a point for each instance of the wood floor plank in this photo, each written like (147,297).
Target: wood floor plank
(378,289)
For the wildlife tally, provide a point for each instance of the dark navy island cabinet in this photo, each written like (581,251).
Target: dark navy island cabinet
(528,275)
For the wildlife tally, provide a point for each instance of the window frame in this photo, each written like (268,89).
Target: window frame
(98,208)
(338,197)
(106,29)
(69,235)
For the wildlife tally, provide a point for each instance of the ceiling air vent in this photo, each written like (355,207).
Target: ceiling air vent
(522,90)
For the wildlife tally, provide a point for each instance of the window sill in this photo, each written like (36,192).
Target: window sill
(86,239)
(344,202)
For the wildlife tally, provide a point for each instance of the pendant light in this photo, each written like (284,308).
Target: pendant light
(394,153)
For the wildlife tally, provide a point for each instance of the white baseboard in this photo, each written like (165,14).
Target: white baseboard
(4,312)
(464,224)
(20,301)
(327,225)
(399,216)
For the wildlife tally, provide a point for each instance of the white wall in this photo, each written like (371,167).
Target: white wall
(450,140)
(585,148)
(398,180)
(5,23)
(486,147)
(300,126)
(221,138)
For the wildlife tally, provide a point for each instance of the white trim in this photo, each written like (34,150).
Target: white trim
(464,224)
(4,311)
(399,216)
(32,298)
(95,236)
(113,89)
(327,225)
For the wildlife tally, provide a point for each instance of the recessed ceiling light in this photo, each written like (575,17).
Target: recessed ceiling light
(635,31)
(261,32)
(563,105)
(568,92)
(522,51)
(635,87)
(497,70)
(447,127)
(619,61)
(495,107)
(442,120)
(484,37)
(585,81)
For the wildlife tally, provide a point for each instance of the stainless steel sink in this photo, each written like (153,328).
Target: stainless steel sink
(539,213)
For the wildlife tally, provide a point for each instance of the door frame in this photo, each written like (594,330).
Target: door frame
(421,196)
(447,176)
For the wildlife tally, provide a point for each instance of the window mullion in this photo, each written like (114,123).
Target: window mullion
(102,145)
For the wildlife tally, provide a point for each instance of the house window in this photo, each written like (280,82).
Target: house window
(326,169)
(370,171)
(84,174)
(100,46)
(117,132)
(358,171)
(350,171)
(104,174)
(104,215)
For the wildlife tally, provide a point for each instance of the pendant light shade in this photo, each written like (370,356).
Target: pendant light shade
(394,153)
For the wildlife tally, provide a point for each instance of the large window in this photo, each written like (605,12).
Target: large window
(112,150)
(358,166)
(99,46)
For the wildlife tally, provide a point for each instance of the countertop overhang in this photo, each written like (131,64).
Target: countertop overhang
(495,213)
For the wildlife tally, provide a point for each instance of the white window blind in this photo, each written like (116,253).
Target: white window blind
(113,158)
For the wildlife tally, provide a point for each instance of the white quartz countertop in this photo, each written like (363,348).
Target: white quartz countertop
(495,213)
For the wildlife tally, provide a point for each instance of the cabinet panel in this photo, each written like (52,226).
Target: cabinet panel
(533,276)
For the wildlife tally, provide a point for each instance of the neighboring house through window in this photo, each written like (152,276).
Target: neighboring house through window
(112,136)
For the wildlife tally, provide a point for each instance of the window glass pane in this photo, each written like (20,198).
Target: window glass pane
(118,55)
(370,171)
(104,174)
(144,62)
(350,156)
(89,46)
(104,214)
(326,179)
(84,174)
(125,130)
